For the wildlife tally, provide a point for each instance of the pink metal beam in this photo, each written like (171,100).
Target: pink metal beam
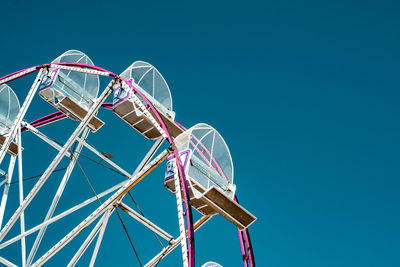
(245,245)
(57,116)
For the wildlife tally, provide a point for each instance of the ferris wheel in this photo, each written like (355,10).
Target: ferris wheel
(199,168)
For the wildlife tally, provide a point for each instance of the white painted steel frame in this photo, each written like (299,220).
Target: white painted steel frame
(113,200)
(87,242)
(181,218)
(149,154)
(175,243)
(61,215)
(100,238)
(21,195)
(11,135)
(80,69)
(6,262)
(92,111)
(58,194)
(102,208)
(100,225)
(63,151)
(7,187)
(146,222)
(44,137)
(100,155)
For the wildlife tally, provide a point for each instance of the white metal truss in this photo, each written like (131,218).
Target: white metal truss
(100,226)
(87,242)
(44,137)
(149,154)
(100,155)
(92,111)
(11,135)
(108,206)
(7,187)
(100,237)
(113,200)
(58,194)
(146,222)
(80,69)
(63,151)
(17,75)
(181,218)
(61,215)
(175,243)
(7,263)
(21,195)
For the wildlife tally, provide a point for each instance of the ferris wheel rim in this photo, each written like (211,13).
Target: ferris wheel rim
(107,73)
(189,218)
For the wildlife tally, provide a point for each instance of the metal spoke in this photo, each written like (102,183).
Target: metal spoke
(57,196)
(87,241)
(100,210)
(92,111)
(100,237)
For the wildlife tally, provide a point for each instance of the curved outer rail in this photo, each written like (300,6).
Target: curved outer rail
(245,245)
(247,253)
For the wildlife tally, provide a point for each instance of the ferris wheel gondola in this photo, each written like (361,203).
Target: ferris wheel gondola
(151,84)
(209,168)
(71,92)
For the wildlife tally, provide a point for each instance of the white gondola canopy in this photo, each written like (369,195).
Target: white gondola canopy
(9,108)
(81,87)
(210,160)
(146,78)
(211,264)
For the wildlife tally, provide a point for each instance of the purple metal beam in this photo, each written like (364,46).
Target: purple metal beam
(57,116)
(245,245)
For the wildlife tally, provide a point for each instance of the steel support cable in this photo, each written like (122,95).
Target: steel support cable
(87,180)
(79,67)
(137,206)
(140,211)
(130,240)
(123,225)
(130,195)
(119,216)
(37,176)
(103,165)
(110,168)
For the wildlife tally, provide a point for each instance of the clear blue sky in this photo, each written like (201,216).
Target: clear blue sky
(305,93)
